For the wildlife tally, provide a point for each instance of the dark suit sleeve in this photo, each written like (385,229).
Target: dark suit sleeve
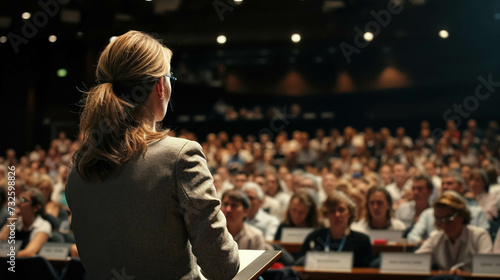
(213,246)
(363,253)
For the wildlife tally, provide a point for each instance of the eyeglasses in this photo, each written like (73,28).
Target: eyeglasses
(446,219)
(23,200)
(172,78)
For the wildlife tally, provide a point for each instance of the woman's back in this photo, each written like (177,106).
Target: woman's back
(144,219)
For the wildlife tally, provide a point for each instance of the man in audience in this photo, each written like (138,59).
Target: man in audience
(328,184)
(430,170)
(269,205)
(452,181)
(256,216)
(466,171)
(386,174)
(239,179)
(309,181)
(235,205)
(400,188)
(422,189)
(226,179)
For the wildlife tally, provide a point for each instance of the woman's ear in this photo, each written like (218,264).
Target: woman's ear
(160,88)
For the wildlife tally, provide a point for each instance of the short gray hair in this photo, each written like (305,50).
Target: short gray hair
(253,186)
(312,178)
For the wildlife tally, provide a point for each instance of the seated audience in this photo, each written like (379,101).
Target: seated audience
(451,181)
(55,212)
(455,241)
(422,189)
(256,216)
(399,189)
(340,211)
(270,204)
(479,187)
(379,213)
(234,205)
(302,213)
(277,190)
(328,184)
(31,228)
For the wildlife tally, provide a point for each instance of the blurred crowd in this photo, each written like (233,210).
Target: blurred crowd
(390,178)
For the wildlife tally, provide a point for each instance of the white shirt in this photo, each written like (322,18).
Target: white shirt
(472,240)
(38,225)
(272,206)
(363,226)
(266,223)
(397,193)
(406,213)
(489,204)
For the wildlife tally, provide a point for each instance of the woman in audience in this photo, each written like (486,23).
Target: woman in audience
(341,212)
(31,228)
(379,213)
(479,190)
(55,212)
(455,241)
(302,213)
(235,204)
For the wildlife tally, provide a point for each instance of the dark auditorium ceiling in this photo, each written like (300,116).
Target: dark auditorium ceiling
(254,22)
(258,33)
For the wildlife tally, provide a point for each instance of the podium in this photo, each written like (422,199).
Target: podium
(253,263)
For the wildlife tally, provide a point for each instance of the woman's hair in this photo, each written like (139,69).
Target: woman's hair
(305,198)
(456,202)
(388,197)
(480,173)
(45,179)
(334,199)
(37,198)
(237,195)
(344,185)
(113,121)
(361,208)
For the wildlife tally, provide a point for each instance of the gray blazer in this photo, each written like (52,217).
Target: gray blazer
(157,219)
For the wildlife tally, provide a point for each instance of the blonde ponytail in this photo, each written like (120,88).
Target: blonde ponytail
(114,130)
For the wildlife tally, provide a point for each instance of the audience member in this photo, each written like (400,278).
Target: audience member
(425,224)
(379,212)
(235,205)
(256,216)
(479,190)
(302,212)
(409,212)
(339,209)
(455,241)
(31,228)
(400,188)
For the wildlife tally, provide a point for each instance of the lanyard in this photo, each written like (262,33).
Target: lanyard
(327,243)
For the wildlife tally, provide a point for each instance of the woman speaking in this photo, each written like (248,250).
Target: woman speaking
(143,203)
